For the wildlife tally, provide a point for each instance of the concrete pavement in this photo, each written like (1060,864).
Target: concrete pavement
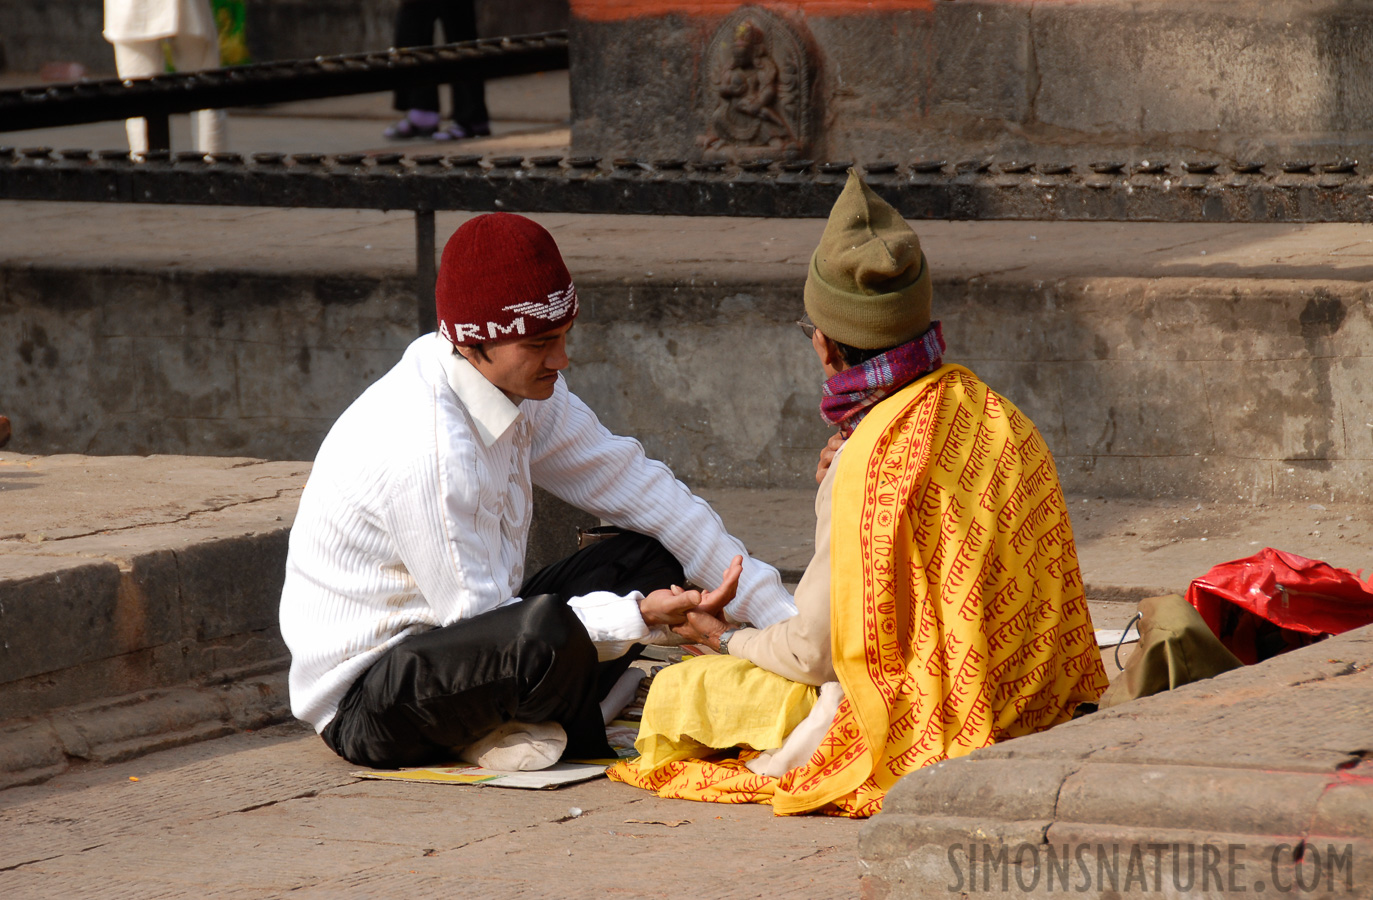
(227,804)
(239,810)
(669,250)
(275,812)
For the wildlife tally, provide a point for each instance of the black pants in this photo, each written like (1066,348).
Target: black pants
(415,28)
(532,661)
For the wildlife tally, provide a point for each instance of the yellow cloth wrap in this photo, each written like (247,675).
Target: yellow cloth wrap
(716,702)
(956,603)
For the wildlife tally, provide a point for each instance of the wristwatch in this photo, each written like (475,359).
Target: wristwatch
(724,639)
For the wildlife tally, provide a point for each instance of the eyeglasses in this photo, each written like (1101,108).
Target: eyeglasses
(807,327)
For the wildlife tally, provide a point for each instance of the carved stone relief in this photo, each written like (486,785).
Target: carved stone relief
(757,92)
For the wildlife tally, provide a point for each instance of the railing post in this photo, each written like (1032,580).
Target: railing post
(159,132)
(426,276)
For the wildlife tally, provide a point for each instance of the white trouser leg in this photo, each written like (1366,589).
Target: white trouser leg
(138,59)
(191,54)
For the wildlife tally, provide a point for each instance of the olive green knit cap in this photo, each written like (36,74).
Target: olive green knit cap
(868,285)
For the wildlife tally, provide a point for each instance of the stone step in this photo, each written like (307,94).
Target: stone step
(1260,774)
(112,729)
(122,574)
(1223,363)
(138,601)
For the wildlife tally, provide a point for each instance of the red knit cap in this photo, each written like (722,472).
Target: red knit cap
(502,277)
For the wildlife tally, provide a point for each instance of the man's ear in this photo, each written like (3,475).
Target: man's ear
(828,351)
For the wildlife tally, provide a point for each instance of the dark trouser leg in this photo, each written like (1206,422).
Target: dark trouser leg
(459,19)
(531,661)
(624,563)
(441,690)
(415,28)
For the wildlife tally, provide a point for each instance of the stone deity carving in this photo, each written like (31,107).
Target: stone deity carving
(758,89)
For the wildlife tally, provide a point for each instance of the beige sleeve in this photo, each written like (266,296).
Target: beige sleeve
(799,648)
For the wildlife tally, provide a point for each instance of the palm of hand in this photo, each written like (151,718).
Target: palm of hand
(706,619)
(713,603)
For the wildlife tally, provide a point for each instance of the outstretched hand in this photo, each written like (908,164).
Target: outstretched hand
(704,623)
(714,602)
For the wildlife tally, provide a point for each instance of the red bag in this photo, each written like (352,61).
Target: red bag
(1273,602)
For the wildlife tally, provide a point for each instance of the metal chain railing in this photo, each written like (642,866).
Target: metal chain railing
(155,98)
(1161,192)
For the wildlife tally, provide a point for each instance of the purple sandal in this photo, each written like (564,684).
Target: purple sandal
(418,123)
(459,132)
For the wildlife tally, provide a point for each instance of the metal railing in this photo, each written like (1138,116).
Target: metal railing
(155,98)
(1114,192)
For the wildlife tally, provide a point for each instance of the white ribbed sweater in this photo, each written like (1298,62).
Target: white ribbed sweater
(417,513)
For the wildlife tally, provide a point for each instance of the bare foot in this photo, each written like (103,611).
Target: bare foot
(4,431)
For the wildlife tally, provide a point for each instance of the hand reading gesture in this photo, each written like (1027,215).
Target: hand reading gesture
(714,602)
(705,623)
(668,606)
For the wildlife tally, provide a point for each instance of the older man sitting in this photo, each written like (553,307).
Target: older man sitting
(943,610)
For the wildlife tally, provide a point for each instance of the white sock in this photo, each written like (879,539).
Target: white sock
(518,747)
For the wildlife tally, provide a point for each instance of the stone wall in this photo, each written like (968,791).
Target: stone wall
(218,363)
(33,32)
(157,619)
(1054,80)
(1212,388)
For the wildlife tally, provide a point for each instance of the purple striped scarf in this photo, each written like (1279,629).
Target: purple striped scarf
(849,395)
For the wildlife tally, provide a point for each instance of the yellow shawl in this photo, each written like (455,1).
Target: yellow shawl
(957,610)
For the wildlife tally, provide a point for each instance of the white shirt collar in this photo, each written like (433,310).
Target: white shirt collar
(491,411)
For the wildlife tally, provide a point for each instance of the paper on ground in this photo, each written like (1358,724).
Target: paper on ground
(1109,637)
(554,776)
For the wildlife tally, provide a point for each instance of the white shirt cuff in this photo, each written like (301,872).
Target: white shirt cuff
(613,622)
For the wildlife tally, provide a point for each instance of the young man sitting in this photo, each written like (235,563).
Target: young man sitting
(415,634)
